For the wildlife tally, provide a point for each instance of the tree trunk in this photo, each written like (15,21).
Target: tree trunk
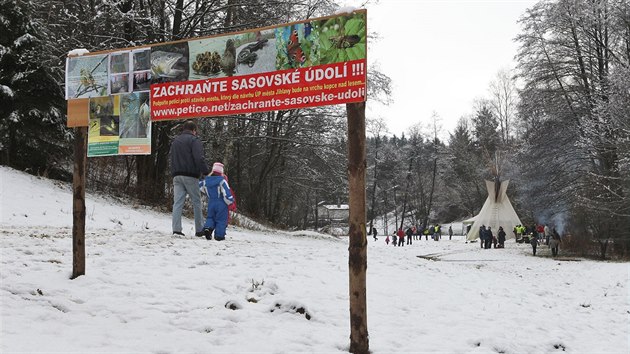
(177,19)
(129,32)
(78,202)
(357,261)
(316,212)
(603,246)
(153,169)
(373,201)
(430,204)
(404,207)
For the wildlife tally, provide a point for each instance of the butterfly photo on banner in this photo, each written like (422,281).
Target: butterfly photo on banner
(294,50)
(297,46)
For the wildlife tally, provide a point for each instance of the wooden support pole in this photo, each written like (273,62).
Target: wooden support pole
(78,202)
(357,260)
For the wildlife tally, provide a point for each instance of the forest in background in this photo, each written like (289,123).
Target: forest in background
(557,125)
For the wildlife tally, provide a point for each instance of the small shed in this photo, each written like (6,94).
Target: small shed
(334,213)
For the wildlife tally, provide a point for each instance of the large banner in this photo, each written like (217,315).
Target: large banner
(315,63)
(304,64)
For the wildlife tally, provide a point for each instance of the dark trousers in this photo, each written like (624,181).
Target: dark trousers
(401,241)
(409,242)
(534,248)
(488,244)
(554,251)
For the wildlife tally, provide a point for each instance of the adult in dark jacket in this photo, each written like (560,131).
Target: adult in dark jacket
(502,236)
(554,242)
(534,242)
(482,235)
(187,167)
(488,238)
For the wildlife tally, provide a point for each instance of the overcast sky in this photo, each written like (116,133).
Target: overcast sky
(440,54)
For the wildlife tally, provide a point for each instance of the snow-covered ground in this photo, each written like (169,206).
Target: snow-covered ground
(146,291)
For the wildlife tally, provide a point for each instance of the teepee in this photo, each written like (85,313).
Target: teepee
(496,211)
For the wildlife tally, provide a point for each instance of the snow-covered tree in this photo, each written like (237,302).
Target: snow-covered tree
(464,166)
(32,125)
(503,100)
(569,57)
(486,135)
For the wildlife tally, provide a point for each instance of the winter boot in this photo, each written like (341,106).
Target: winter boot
(208,233)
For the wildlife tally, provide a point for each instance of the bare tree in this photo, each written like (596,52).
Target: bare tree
(504,98)
(376,127)
(569,53)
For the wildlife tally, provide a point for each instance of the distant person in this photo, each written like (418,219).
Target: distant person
(519,232)
(409,233)
(534,242)
(437,232)
(450,232)
(501,237)
(532,232)
(514,232)
(401,237)
(540,231)
(547,232)
(387,240)
(489,238)
(187,167)
(215,186)
(374,233)
(554,242)
(426,233)
(394,239)
(482,235)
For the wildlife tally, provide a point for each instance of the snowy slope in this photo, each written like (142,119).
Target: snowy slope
(146,291)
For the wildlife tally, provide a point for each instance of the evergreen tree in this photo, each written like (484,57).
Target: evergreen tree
(32,129)
(486,138)
(464,180)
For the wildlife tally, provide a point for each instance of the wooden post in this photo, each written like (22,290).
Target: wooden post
(357,260)
(78,202)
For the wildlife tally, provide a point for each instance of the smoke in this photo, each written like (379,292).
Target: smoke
(559,221)
(553,219)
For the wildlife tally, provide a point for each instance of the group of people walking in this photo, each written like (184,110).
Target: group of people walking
(400,237)
(540,234)
(191,177)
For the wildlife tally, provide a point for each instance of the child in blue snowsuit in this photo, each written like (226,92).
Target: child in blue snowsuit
(217,189)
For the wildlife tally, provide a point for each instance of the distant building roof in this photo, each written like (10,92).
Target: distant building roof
(337,207)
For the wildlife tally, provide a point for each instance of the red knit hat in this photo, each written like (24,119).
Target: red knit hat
(217,168)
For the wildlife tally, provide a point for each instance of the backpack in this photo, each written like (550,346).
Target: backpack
(231,207)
